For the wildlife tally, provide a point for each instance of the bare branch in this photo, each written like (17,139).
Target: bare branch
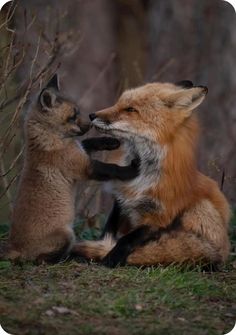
(9,16)
(7,187)
(10,62)
(99,77)
(13,164)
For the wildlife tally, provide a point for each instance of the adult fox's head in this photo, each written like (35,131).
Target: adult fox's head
(154,111)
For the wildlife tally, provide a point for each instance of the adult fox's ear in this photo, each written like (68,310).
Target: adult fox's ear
(54,83)
(47,99)
(187,100)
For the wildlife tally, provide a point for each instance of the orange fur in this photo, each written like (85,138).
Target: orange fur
(157,122)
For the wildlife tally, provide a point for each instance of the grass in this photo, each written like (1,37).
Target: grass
(77,298)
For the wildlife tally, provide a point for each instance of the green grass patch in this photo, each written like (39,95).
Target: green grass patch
(75,298)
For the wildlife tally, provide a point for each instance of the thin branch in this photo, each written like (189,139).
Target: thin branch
(9,15)
(13,163)
(6,144)
(7,187)
(8,58)
(55,52)
(5,182)
(10,63)
(163,69)
(26,94)
(8,74)
(34,59)
(99,77)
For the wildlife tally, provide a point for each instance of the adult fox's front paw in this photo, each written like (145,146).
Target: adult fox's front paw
(113,259)
(109,143)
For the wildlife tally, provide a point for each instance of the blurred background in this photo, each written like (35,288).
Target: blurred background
(101,47)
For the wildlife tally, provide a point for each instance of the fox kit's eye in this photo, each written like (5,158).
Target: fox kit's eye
(76,111)
(130,109)
(72,118)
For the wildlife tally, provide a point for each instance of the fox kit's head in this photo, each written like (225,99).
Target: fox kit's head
(153,112)
(57,114)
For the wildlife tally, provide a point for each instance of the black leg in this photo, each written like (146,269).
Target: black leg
(104,171)
(100,143)
(112,224)
(125,246)
(138,237)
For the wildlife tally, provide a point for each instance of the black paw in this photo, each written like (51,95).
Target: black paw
(112,260)
(109,143)
(100,143)
(135,163)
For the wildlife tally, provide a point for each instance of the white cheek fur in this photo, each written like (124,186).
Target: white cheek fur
(124,130)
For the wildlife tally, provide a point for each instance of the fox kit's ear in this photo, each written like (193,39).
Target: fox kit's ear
(54,83)
(184,84)
(188,99)
(47,99)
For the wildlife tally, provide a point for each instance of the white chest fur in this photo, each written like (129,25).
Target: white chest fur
(133,195)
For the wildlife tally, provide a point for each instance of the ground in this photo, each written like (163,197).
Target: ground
(79,298)
(75,298)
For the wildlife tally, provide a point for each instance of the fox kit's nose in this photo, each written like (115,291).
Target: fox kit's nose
(92,116)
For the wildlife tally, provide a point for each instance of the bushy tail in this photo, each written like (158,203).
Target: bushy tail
(95,250)
(181,248)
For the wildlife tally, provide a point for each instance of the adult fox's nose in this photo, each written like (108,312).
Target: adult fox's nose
(92,116)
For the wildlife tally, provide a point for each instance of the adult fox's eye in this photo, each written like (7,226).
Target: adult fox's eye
(130,109)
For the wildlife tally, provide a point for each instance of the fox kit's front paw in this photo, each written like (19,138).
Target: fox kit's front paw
(109,143)
(100,143)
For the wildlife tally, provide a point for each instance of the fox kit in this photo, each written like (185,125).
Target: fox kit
(44,208)
(176,214)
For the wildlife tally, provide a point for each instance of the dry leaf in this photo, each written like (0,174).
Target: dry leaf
(138,307)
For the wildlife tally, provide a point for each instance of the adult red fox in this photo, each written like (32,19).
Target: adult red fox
(177,214)
(44,208)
